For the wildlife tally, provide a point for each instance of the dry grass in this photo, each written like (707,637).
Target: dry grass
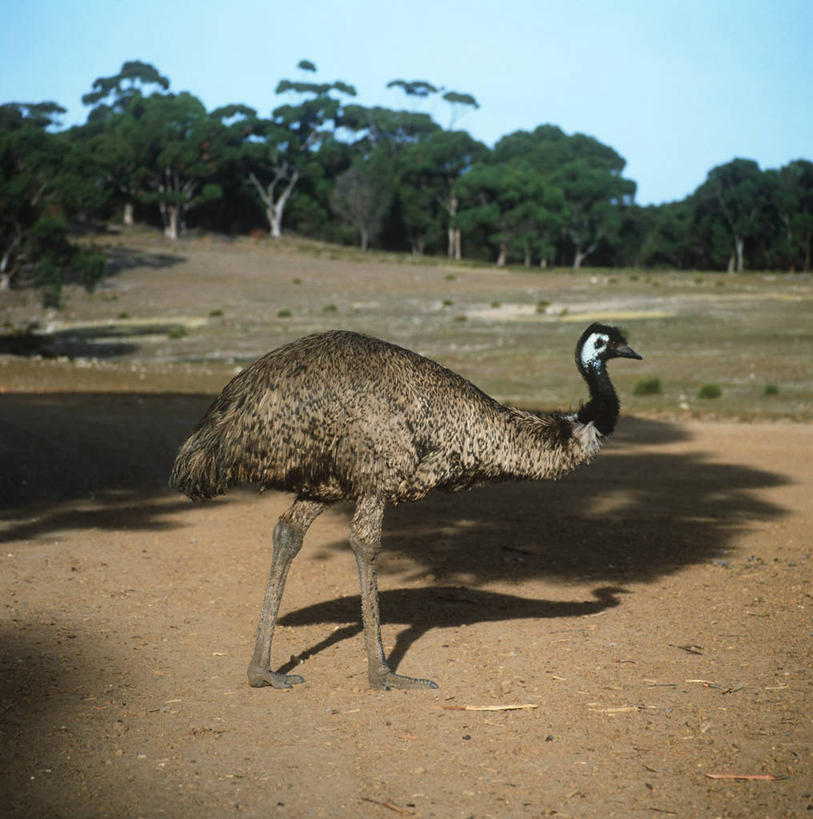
(238,299)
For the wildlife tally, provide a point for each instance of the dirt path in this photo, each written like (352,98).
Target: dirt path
(654,609)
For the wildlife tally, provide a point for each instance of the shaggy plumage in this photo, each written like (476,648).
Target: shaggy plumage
(342,416)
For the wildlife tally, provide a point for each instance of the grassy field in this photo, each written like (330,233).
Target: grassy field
(184,317)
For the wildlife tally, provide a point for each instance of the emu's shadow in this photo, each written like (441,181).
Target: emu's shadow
(636,514)
(436,607)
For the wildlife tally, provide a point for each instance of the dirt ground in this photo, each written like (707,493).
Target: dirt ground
(649,616)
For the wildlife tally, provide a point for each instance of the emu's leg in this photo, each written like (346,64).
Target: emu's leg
(288,535)
(365,538)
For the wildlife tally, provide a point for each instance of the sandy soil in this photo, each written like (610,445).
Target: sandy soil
(651,614)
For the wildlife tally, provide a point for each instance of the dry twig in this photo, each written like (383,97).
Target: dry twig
(389,806)
(516,707)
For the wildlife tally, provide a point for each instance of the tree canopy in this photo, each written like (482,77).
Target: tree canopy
(321,163)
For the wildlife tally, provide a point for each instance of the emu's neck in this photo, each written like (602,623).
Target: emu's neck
(602,408)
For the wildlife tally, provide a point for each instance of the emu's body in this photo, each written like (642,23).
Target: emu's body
(341,416)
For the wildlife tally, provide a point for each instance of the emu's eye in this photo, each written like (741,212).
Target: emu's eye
(600,342)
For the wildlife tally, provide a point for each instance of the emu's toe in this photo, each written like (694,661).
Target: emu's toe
(259,678)
(390,679)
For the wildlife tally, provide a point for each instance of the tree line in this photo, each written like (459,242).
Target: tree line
(322,165)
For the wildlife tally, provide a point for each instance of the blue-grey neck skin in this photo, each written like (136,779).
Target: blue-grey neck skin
(603,407)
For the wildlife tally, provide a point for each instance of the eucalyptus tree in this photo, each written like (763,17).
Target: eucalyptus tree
(29,162)
(518,209)
(46,178)
(363,194)
(792,197)
(282,149)
(115,102)
(178,149)
(587,172)
(381,140)
(732,203)
(432,172)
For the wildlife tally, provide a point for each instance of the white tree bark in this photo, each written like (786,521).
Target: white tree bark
(275,208)
(170,221)
(127,217)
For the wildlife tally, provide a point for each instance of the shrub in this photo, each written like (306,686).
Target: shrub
(177,331)
(542,305)
(648,386)
(57,261)
(215,313)
(771,389)
(709,391)
(284,313)
(89,266)
(330,308)
(48,278)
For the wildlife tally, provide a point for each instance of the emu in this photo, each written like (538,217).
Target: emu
(340,416)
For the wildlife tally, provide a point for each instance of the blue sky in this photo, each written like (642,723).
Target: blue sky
(675,86)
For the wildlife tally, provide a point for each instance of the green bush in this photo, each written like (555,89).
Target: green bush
(648,386)
(284,313)
(177,331)
(709,391)
(48,278)
(89,266)
(58,262)
(771,389)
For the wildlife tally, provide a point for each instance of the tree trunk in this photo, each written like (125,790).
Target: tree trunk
(364,238)
(503,254)
(6,267)
(274,209)
(808,242)
(458,244)
(527,255)
(274,216)
(736,262)
(127,218)
(171,221)
(452,234)
(581,255)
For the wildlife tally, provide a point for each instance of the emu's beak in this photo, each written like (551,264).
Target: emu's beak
(625,351)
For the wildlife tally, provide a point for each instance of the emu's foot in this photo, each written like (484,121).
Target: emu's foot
(258,678)
(386,680)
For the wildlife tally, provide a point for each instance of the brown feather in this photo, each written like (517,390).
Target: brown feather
(340,416)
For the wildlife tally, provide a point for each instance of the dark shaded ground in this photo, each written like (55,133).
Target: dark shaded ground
(654,608)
